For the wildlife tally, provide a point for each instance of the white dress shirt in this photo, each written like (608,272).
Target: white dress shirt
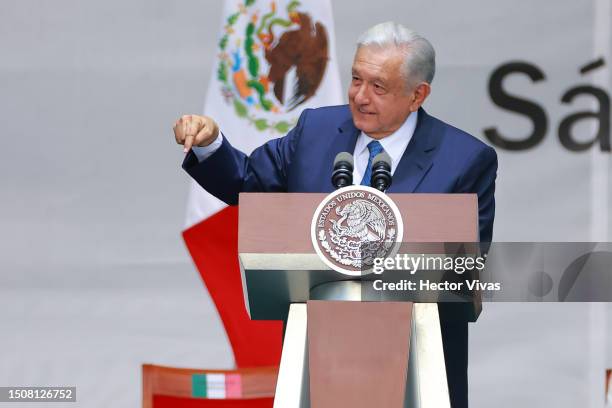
(395,145)
(204,152)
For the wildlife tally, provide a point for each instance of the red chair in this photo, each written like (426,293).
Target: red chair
(167,387)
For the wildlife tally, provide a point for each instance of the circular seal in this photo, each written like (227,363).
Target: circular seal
(353,226)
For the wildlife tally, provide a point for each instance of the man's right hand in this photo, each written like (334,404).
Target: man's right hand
(195,130)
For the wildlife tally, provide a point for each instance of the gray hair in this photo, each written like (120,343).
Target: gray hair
(420,58)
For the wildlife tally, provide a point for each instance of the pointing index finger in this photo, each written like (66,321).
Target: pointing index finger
(188,143)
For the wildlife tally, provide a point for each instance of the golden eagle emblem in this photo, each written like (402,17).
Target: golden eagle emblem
(271,61)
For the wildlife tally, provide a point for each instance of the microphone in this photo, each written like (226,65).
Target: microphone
(381,171)
(342,175)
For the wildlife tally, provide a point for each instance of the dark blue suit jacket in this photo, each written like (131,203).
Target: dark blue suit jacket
(439,159)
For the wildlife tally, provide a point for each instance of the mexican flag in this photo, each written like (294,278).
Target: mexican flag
(274,59)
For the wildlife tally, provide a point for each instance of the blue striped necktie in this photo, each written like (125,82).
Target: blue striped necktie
(375,148)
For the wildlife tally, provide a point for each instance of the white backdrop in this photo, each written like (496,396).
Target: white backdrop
(94,279)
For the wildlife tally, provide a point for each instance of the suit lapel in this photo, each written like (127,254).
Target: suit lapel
(347,137)
(344,141)
(418,157)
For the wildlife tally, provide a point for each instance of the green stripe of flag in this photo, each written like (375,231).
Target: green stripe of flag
(198,386)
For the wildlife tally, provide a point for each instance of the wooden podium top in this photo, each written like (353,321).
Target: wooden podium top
(280,265)
(280,222)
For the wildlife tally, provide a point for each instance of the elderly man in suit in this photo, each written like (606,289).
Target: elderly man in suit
(391,78)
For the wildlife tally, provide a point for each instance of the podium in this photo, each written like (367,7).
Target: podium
(343,345)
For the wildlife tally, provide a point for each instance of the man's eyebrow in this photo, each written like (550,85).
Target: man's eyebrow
(380,79)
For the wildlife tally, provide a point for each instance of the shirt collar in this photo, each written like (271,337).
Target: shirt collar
(396,143)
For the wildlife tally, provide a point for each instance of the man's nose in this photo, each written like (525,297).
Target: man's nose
(362,96)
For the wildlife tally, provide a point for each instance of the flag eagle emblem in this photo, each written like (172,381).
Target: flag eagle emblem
(271,61)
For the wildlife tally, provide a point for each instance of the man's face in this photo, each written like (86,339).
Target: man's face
(378,97)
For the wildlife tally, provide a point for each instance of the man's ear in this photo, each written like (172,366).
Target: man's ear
(421,92)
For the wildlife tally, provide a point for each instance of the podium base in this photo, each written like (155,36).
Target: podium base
(422,383)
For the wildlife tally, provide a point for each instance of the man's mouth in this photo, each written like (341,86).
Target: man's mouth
(365,112)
